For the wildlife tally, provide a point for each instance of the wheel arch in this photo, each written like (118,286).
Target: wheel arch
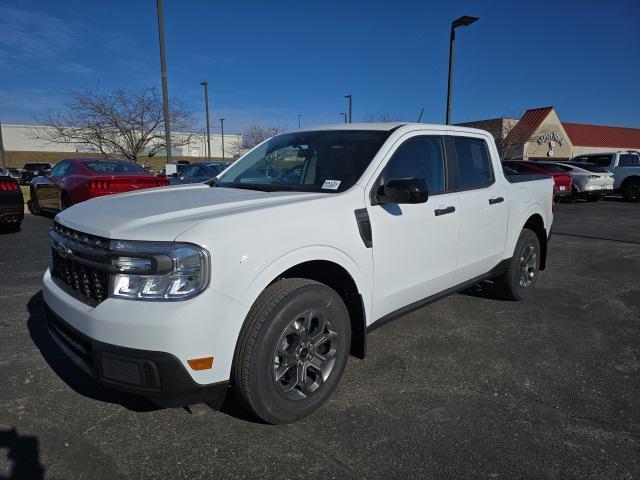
(331,267)
(536,224)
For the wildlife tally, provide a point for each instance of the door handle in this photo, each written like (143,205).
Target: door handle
(444,211)
(493,201)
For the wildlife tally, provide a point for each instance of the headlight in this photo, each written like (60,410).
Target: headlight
(158,271)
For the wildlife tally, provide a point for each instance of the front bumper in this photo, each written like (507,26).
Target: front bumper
(160,332)
(157,375)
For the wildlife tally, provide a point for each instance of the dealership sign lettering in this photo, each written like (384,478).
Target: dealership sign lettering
(551,137)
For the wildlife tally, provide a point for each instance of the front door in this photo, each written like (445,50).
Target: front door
(415,246)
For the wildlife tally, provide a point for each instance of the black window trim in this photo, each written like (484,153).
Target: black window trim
(454,162)
(447,170)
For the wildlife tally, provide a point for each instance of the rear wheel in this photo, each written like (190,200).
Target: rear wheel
(65,201)
(291,351)
(631,191)
(522,272)
(34,205)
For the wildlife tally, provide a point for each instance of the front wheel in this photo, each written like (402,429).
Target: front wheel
(522,272)
(34,205)
(291,351)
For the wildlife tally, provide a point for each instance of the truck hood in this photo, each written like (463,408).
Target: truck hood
(161,214)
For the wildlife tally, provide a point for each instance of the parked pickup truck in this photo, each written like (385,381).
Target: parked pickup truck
(625,167)
(265,278)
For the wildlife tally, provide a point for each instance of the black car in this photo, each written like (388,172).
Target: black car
(11,204)
(32,170)
(199,172)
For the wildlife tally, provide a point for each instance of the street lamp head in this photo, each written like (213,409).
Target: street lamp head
(347,96)
(464,21)
(204,83)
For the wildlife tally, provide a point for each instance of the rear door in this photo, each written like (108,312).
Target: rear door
(414,245)
(483,208)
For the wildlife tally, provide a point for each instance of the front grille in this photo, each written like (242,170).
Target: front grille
(91,284)
(81,263)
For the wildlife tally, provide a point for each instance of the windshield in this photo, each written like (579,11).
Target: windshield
(592,168)
(549,167)
(321,161)
(113,166)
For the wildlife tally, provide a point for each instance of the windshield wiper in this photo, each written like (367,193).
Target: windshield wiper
(252,186)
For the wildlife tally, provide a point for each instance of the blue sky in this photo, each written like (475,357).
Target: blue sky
(266,62)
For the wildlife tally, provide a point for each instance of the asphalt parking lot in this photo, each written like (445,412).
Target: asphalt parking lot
(470,386)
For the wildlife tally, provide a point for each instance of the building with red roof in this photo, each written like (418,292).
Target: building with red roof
(540,135)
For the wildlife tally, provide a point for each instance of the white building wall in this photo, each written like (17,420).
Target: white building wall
(16,138)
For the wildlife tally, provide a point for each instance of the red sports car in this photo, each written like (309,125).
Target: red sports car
(562,179)
(75,180)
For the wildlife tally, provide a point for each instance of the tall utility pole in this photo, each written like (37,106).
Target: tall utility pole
(206,109)
(222,131)
(350,99)
(1,148)
(344,114)
(463,21)
(299,120)
(163,72)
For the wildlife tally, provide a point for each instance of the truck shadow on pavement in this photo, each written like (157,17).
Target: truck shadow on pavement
(71,374)
(23,451)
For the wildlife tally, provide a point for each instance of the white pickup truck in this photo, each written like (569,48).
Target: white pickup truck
(625,167)
(263,279)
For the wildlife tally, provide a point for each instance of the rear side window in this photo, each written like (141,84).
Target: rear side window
(629,160)
(419,157)
(113,166)
(474,164)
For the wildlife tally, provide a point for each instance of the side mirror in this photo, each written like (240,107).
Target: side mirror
(403,190)
(174,175)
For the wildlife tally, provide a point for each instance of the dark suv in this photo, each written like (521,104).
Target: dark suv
(31,170)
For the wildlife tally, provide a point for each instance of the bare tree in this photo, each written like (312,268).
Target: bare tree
(254,134)
(380,117)
(118,123)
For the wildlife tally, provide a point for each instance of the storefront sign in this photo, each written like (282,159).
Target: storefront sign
(551,137)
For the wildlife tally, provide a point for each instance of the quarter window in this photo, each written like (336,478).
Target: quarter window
(474,164)
(419,157)
(629,160)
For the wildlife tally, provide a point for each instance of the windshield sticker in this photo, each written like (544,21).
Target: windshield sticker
(331,184)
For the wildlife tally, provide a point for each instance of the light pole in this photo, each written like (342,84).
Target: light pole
(299,120)
(163,73)
(205,84)
(463,21)
(350,99)
(344,114)
(1,148)
(222,131)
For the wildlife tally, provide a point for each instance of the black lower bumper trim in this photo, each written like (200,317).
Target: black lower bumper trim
(159,376)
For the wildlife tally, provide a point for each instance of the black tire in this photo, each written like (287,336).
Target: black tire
(34,205)
(282,308)
(631,191)
(594,198)
(65,201)
(573,198)
(515,284)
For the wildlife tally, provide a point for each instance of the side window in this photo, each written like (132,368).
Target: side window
(629,160)
(191,171)
(61,169)
(419,157)
(474,164)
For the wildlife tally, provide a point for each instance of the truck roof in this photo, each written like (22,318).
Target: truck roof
(387,126)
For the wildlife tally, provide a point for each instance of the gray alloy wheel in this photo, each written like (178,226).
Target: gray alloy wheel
(305,355)
(291,351)
(528,265)
(521,274)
